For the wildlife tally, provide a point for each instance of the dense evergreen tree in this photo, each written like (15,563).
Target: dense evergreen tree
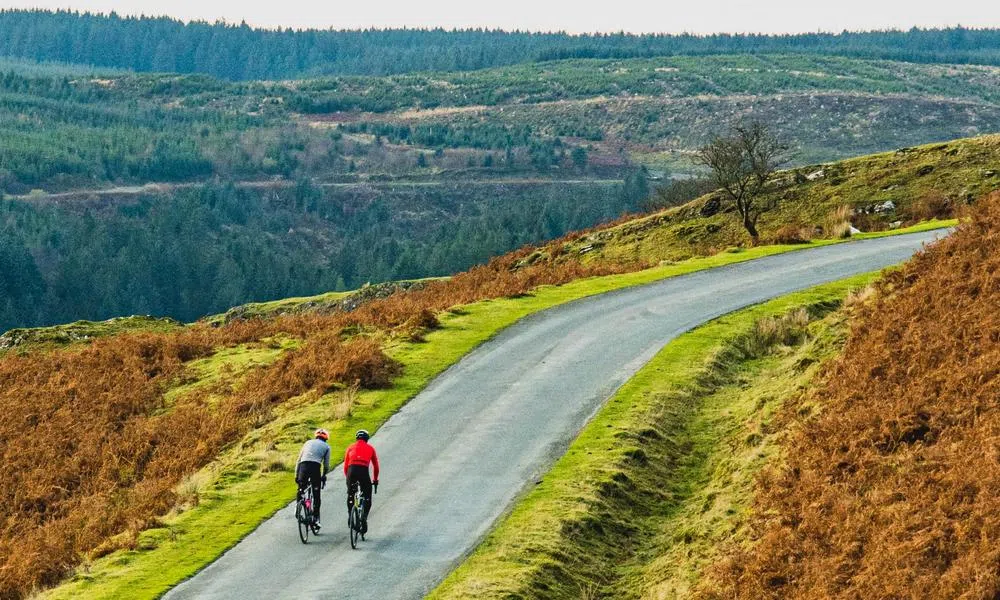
(201,250)
(238,52)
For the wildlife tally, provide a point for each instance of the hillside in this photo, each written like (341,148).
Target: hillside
(889,482)
(829,444)
(64,130)
(660,109)
(872,193)
(184,195)
(178,397)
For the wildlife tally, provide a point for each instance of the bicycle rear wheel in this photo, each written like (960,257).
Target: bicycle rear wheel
(354,525)
(304,518)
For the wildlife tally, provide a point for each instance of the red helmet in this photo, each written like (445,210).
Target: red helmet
(323,434)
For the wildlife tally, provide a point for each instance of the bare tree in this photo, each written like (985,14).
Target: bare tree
(742,162)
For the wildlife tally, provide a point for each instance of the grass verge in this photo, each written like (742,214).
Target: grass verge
(251,480)
(663,473)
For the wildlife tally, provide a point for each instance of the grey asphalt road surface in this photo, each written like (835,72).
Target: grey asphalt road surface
(458,454)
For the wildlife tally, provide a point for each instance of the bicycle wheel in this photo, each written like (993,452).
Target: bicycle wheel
(354,525)
(302,516)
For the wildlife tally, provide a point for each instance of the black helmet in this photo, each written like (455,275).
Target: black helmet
(361,435)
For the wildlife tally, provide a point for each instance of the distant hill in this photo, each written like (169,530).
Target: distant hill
(64,130)
(241,52)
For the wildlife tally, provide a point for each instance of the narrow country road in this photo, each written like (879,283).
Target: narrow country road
(458,454)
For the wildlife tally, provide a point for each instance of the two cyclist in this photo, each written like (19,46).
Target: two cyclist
(315,455)
(314,463)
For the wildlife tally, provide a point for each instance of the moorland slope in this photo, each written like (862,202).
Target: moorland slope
(888,485)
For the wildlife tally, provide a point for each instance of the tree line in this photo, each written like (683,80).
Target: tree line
(202,250)
(239,52)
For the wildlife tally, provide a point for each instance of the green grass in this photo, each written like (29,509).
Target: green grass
(227,364)
(732,434)
(658,477)
(929,225)
(251,480)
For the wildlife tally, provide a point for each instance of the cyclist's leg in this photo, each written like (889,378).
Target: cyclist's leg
(317,501)
(351,487)
(301,479)
(354,477)
(315,483)
(365,482)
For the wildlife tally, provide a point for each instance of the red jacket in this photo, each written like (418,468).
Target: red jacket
(363,454)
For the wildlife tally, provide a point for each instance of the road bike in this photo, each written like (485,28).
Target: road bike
(304,514)
(355,514)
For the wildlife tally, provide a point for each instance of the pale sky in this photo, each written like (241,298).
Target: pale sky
(670,16)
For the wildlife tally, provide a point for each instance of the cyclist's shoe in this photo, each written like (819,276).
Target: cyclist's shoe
(316,525)
(364,527)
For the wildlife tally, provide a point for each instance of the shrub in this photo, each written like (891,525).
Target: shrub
(838,223)
(931,206)
(792,234)
(786,330)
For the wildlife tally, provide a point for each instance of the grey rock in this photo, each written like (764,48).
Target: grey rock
(711,206)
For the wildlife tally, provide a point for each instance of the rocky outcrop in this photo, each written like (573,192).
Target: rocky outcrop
(82,331)
(346,303)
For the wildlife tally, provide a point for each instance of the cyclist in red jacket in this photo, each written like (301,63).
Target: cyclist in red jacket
(359,455)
